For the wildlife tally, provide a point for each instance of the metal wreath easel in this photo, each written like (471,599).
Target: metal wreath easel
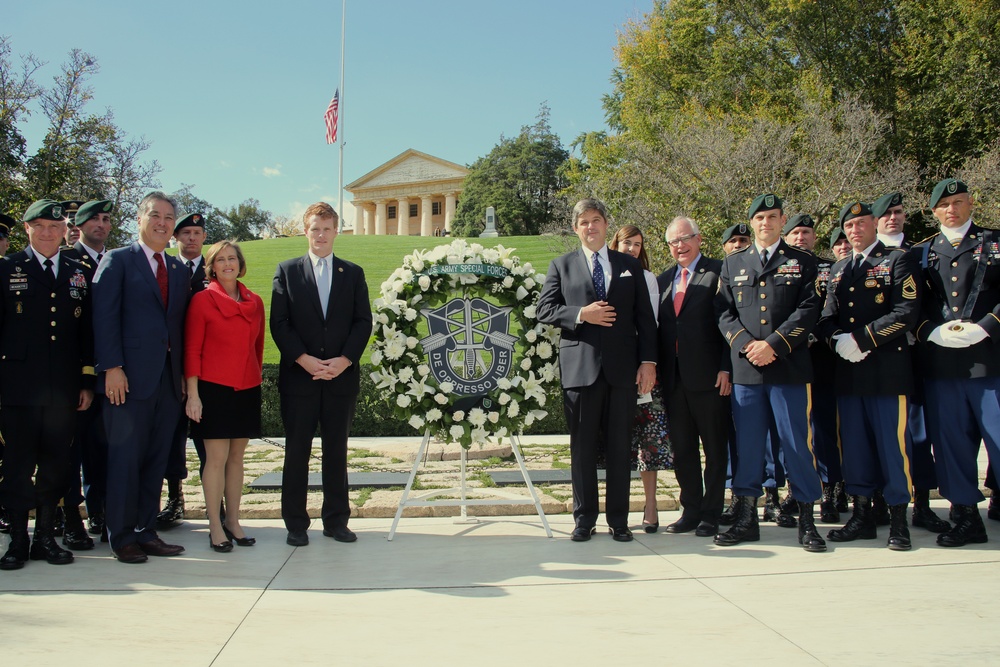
(464,502)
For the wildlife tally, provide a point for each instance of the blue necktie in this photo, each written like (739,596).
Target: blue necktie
(602,294)
(323,283)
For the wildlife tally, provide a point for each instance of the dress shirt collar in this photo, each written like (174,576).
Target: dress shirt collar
(41,260)
(771,249)
(956,233)
(314,259)
(892,240)
(864,253)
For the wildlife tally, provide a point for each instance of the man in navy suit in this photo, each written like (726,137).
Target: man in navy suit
(598,298)
(140,297)
(320,320)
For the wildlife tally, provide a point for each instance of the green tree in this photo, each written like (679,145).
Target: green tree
(217,227)
(521,178)
(247,220)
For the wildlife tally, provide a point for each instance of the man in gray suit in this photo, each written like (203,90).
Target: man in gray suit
(598,297)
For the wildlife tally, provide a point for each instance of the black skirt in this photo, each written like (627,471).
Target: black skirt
(227,413)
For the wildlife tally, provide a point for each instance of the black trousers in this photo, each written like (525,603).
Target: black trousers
(600,415)
(37,437)
(700,416)
(333,413)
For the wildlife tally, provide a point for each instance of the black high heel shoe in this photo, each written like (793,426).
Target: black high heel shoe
(649,527)
(223,548)
(240,541)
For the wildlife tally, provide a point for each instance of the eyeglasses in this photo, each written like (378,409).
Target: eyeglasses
(681,239)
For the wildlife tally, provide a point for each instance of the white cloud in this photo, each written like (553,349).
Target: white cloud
(271,172)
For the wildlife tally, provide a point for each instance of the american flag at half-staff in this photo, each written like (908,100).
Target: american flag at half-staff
(331,118)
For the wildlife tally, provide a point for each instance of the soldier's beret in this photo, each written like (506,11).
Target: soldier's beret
(70,209)
(44,209)
(92,208)
(798,220)
(838,233)
(190,220)
(947,188)
(739,229)
(6,223)
(885,202)
(853,210)
(764,203)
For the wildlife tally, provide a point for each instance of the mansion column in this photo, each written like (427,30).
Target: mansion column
(368,219)
(359,218)
(449,210)
(425,216)
(403,217)
(380,217)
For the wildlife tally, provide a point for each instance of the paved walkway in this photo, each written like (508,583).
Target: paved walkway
(501,593)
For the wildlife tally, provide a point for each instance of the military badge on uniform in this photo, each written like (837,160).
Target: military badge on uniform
(78,279)
(769,201)
(871,282)
(18,308)
(77,312)
(856,209)
(910,288)
(880,298)
(952,187)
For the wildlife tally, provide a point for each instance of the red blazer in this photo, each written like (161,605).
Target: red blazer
(223,338)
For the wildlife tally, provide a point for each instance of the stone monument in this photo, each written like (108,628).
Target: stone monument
(491,224)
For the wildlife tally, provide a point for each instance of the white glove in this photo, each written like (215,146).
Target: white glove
(945,337)
(848,348)
(971,334)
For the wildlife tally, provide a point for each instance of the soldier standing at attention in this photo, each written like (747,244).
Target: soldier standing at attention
(958,333)
(46,334)
(769,300)
(872,302)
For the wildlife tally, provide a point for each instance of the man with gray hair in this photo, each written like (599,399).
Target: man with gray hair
(140,298)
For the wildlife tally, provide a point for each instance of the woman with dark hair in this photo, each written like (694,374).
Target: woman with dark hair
(223,357)
(651,432)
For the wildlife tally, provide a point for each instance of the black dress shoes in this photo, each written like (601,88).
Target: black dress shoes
(223,547)
(131,553)
(95,523)
(17,552)
(968,528)
(297,538)
(158,547)
(341,534)
(706,529)
(582,534)
(621,534)
(683,525)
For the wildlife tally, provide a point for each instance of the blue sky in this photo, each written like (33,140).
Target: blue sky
(232,94)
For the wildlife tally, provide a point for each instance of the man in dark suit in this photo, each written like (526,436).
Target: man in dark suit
(320,320)
(140,298)
(958,334)
(770,302)
(46,377)
(872,302)
(694,370)
(190,235)
(599,299)
(6,222)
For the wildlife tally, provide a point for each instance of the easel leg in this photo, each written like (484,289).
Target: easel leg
(515,445)
(409,483)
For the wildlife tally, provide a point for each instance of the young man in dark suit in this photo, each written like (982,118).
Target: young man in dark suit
(320,320)
(694,370)
(140,299)
(46,378)
(598,297)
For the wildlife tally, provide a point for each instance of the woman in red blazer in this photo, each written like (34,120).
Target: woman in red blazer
(223,356)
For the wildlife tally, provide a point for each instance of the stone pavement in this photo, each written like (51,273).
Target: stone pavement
(500,593)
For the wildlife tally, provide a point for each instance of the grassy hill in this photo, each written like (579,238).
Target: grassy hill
(379,256)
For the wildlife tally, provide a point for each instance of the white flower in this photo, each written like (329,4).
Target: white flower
(433,415)
(504,398)
(411,342)
(494,417)
(441,399)
(530,335)
(508,263)
(480,435)
(457,415)
(416,299)
(544,350)
(456,432)
(416,422)
(405,374)
(529,283)
(403,401)
(410,314)
(529,312)
(501,432)
(394,349)
(529,419)
(424,282)
(476,248)
(513,409)
(477,417)
(533,388)
(423,369)
(383,318)
(504,384)
(548,372)
(446,387)
(398,286)
(521,293)
(491,255)
(384,379)
(525,364)
(508,282)
(406,276)
(518,270)
(418,388)
(376,357)
(418,266)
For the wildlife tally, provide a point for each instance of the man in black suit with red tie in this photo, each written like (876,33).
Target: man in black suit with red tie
(320,320)
(694,370)
(598,298)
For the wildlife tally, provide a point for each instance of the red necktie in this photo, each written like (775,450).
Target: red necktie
(161,276)
(679,292)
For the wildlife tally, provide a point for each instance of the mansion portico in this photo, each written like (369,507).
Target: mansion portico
(413,194)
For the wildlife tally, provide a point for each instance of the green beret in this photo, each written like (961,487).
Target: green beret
(947,188)
(853,210)
(92,208)
(885,202)
(798,220)
(190,220)
(44,209)
(6,224)
(764,203)
(838,233)
(70,209)
(740,229)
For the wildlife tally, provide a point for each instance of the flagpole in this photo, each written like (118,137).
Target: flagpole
(340,171)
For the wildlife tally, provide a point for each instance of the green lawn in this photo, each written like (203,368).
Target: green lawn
(379,256)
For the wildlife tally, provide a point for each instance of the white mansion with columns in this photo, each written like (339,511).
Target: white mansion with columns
(412,194)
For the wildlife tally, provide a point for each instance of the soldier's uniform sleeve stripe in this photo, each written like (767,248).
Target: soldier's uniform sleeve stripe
(786,341)
(868,329)
(89,370)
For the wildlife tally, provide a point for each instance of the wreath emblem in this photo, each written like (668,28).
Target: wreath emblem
(457,347)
